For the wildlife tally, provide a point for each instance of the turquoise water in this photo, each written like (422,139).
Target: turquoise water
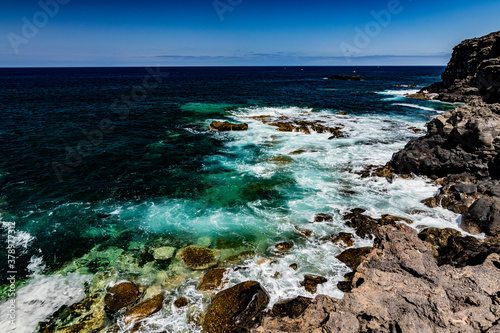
(162,178)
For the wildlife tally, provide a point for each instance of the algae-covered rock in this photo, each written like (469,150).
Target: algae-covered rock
(236,309)
(198,258)
(224,126)
(163,253)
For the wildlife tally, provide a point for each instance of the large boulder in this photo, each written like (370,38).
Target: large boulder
(292,307)
(144,309)
(121,295)
(483,216)
(213,279)
(236,309)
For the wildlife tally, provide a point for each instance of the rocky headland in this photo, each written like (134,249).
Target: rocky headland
(430,280)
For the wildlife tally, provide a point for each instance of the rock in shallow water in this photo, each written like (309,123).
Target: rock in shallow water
(225,126)
(236,309)
(311,282)
(212,279)
(144,309)
(121,295)
(198,258)
(292,307)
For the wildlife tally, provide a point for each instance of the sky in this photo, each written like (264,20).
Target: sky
(81,33)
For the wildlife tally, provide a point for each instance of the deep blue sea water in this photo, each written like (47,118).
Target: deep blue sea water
(96,164)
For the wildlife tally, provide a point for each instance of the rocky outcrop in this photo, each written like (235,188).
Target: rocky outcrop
(144,309)
(473,72)
(346,77)
(225,126)
(236,309)
(399,287)
(483,216)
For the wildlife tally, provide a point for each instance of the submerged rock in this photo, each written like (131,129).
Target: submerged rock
(311,282)
(198,258)
(164,253)
(236,309)
(121,295)
(225,126)
(213,279)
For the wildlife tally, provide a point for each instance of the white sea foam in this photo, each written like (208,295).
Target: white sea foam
(397,94)
(414,106)
(39,298)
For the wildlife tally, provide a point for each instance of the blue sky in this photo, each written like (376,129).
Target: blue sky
(238,32)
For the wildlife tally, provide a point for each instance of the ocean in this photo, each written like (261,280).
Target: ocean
(98,165)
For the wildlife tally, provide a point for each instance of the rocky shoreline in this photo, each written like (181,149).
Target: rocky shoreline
(430,280)
(436,280)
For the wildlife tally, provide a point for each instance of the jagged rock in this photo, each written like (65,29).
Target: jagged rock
(121,295)
(438,238)
(384,171)
(458,141)
(225,126)
(483,216)
(363,224)
(392,219)
(400,288)
(311,282)
(353,257)
(343,237)
(181,302)
(283,246)
(144,309)
(294,266)
(213,279)
(346,77)
(198,258)
(236,309)
(472,72)
(292,307)
(321,217)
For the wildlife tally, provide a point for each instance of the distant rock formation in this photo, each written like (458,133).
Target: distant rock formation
(473,72)
(346,77)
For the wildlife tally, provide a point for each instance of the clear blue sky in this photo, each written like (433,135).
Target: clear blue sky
(239,32)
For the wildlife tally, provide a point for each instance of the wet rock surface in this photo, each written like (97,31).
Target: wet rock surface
(225,126)
(399,287)
(121,295)
(236,309)
(198,258)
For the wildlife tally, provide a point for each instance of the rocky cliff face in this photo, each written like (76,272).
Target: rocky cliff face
(438,280)
(472,72)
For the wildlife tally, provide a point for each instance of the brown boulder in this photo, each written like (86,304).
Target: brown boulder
(343,237)
(483,216)
(198,258)
(236,309)
(291,308)
(321,217)
(225,126)
(353,257)
(311,282)
(283,246)
(144,309)
(212,279)
(181,302)
(121,295)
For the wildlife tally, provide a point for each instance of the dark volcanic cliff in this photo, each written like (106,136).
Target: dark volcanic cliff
(473,71)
